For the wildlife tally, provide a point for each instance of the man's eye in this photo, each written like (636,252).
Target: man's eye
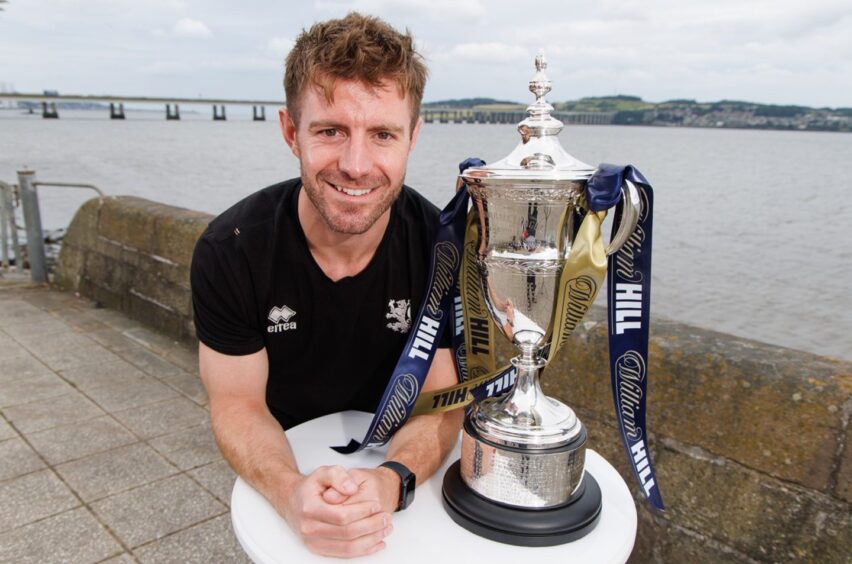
(331,132)
(384,136)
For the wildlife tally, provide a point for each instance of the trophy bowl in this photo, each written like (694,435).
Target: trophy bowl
(521,477)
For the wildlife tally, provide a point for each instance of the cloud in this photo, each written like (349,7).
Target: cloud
(279,46)
(435,10)
(492,52)
(187,27)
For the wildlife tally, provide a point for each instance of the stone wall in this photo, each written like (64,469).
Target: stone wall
(133,255)
(749,440)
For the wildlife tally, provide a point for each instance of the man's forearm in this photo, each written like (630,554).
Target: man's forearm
(255,446)
(424,442)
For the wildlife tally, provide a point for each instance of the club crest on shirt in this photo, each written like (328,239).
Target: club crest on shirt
(399,315)
(280,317)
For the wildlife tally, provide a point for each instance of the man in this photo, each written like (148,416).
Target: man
(303,291)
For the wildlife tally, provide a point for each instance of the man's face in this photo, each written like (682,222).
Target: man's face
(352,152)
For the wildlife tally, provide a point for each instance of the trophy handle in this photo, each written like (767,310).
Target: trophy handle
(631,209)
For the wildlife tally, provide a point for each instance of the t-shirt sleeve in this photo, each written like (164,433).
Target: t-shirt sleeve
(222,300)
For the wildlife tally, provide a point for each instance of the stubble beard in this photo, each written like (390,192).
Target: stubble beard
(352,219)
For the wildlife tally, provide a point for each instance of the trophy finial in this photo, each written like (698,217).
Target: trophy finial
(540,61)
(539,122)
(540,85)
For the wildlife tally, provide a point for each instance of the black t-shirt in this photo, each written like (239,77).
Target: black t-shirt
(331,345)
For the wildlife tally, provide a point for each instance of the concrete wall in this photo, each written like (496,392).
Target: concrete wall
(133,255)
(750,441)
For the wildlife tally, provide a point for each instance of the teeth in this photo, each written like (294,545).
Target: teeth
(350,192)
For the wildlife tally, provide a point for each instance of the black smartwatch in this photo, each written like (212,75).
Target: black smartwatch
(407,481)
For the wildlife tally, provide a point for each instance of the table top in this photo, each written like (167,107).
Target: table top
(424,532)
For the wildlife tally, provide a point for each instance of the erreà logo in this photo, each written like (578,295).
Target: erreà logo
(280,317)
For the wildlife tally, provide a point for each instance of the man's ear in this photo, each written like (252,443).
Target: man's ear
(414,133)
(288,130)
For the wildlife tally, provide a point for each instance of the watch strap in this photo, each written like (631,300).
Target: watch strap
(407,481)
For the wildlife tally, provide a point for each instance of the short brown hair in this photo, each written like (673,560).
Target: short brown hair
(356,47)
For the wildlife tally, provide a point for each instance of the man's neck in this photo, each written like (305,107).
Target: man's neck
(339,254)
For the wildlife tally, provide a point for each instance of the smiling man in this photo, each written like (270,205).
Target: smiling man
(303,291)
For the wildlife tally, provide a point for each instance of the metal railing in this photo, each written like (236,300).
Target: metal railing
(26,191)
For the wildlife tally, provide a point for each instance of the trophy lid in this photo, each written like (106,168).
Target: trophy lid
(539,157)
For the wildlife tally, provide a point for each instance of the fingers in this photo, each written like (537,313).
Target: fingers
(343,514)
(333,496)
(335,477)
(361,546)
(375,523)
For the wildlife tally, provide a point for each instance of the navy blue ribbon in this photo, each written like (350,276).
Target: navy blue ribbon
(629,313)
(435,312)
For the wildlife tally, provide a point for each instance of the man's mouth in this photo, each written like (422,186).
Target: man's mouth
(352,191)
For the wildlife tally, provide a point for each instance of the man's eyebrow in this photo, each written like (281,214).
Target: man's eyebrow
(398,129)
(325,124)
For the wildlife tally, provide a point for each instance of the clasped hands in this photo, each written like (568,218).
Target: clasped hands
(342,512)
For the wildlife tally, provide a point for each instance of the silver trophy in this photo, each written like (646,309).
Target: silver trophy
(521,476)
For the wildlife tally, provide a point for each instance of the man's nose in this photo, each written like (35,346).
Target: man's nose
(356,160)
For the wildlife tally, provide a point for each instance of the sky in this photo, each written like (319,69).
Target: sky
(768,51)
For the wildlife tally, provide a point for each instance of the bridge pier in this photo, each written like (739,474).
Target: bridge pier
(49,111)
(217,116)
(256,115)
(116,112)
(172,115)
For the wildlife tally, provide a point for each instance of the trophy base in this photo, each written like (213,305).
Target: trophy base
(522,527)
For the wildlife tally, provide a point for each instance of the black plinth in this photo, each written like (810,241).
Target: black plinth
(523,527)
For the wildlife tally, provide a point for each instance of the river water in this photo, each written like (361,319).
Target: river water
(751,228)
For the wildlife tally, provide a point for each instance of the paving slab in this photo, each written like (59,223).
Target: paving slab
(71,442)
(52,412)
(124,395)
(114,319)
(112,339)
(47,300)
(188,384)
(17,459)
(6,430)
(149,421)
(155,510)
(218,478)
(72,536)
(91,376)
(55,342)
(148,362)
(13,313)
(33,388)
(211,541)
(79,319)
(152,340)
(46,327)
(189,448)
(114,471)
(16,363)
(183,357)
(86,354)
(33,497)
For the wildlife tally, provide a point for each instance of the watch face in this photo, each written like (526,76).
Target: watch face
(406,491)
(407,482)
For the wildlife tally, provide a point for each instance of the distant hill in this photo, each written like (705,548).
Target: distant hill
(469,103)
(632,110)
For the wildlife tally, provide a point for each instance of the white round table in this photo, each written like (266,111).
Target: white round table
(424,532)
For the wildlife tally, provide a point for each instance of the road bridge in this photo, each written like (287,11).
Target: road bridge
(49,104)
(511,114)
